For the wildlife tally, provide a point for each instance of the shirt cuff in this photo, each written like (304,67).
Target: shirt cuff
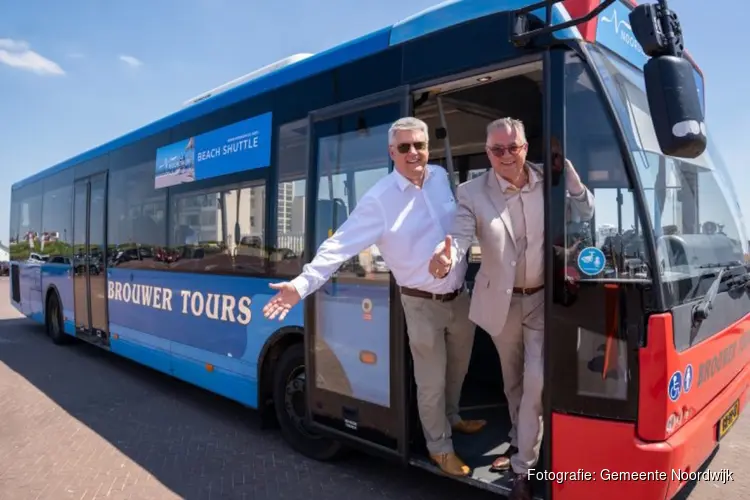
(578,197)
(302,285)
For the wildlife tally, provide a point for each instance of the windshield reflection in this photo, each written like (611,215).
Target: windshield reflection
(693,208)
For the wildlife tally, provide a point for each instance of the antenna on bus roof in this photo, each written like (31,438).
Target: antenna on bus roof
(265,70)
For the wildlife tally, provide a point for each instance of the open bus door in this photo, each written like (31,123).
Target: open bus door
(354,348)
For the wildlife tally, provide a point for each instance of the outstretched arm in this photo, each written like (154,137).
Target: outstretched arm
(362,229)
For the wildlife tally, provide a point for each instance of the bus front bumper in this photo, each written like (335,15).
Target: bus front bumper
(594,458)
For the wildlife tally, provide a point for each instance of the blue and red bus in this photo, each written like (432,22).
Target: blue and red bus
(160,245)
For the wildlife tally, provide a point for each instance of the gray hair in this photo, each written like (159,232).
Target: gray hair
(508,123)
(408,123)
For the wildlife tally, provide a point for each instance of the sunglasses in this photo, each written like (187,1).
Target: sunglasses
(499,151)
(405,147)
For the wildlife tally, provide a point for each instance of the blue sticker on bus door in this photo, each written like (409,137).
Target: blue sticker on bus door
(675,386)
(591,261)
(688,379)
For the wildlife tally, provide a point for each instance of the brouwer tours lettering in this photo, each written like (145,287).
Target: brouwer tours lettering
(214,306)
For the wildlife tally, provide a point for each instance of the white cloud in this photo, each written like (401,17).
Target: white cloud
(131,61)
(18,54)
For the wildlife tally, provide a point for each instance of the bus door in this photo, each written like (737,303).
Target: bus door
(89,253)
(354,324)
(598,287)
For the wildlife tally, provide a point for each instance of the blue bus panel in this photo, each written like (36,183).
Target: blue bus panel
(181,323)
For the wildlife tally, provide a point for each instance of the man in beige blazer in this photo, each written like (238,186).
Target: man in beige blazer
(504,209)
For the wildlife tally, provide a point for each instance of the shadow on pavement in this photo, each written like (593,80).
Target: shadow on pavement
(193,442)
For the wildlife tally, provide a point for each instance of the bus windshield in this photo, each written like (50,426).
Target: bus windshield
(693,208)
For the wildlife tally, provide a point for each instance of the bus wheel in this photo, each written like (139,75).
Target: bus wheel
(290,403)
(54,321)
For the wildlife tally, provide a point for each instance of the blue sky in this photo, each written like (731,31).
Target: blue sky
(78,73)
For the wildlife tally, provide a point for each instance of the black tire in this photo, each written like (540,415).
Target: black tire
(53,320)
(291,405)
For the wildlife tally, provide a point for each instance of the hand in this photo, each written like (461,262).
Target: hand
(282,302)
(442,260)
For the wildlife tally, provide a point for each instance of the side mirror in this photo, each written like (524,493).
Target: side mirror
(673,100)
(675,108)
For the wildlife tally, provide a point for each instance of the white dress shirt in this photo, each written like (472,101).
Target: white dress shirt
(405,222)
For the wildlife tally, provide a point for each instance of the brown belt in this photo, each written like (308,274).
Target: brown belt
(527,291)
(440,297)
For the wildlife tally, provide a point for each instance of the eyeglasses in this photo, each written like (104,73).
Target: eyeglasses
(405,147)
(499,151)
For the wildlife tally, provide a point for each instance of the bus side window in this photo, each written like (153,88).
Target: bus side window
(286,258)
(137,225)
(219,230)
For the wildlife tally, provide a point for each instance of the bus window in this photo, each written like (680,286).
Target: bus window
(28,222)
(137,226)
(57,221)
(221,230)
(14,218)
(348,166)
(592,297)
(286,258)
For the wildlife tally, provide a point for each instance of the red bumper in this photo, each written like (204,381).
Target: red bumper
(589,456)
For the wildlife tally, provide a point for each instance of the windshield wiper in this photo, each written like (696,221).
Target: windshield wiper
(708,274)
(703,308)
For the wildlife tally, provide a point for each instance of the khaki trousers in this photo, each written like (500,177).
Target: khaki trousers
(441,338)
(521,349)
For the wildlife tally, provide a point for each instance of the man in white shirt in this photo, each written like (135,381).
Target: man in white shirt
(406,214)
(504,209)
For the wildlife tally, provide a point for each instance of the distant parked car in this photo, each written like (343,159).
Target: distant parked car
(4,268)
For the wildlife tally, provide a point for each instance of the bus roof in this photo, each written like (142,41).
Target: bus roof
(442,15)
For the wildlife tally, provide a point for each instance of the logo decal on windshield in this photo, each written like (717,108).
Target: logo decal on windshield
(617,22)
(614,32)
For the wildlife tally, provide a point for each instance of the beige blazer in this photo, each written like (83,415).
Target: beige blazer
(482,212)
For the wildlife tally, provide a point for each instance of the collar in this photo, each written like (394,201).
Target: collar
(403,183)
(531,184)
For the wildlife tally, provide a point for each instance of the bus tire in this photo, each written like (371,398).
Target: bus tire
(54,320)
(290,404)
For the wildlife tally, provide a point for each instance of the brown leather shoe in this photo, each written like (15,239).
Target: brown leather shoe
(469,426)
(502,463)
(451,464)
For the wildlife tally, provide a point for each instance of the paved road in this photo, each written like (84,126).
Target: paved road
(78,423)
